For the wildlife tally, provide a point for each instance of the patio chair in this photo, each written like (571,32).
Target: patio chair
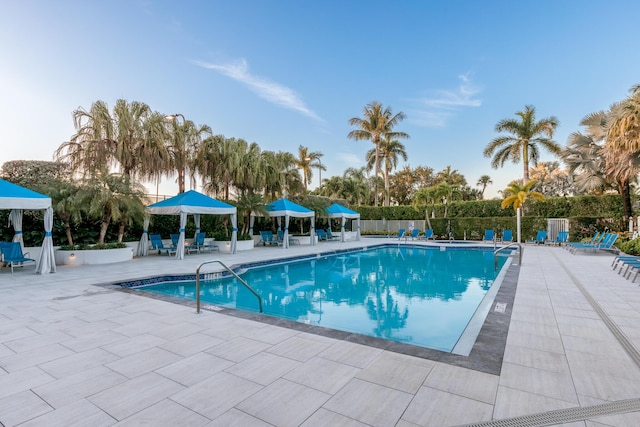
(489,235)
(322,235)
(330,235)
(414,234)
(175,238)
(428,234)
(156,243)
(267,238)
(596,239)
(606,244)
(292,240)
(202,246)
(401,233)
(541,237)
(12,254)
(561,238)
(507,236)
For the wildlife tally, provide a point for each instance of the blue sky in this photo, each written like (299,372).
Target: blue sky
(290,73)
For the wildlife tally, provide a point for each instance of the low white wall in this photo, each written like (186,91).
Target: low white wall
(102,256)
(225,245)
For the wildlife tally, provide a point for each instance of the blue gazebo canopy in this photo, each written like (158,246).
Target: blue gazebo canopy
(191,202)
(336,210)
(13,196)
(284,207)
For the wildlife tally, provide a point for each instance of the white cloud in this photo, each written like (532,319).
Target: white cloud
(436,110)
(265,89)
(351,160)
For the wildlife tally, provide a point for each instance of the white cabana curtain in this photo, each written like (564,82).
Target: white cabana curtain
(143,244)
(234,233)
(252,220)
(342,236)
(183,224)
(285,239)
(46,263)
(15,218)
(358,229)
(312,233)
(196,219)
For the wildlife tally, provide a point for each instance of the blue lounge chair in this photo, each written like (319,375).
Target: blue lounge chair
(593,241)
(561,238)
(507,236)
(330,235)
(541,237)
(156,243)
(267,238)
(428,234)
(201,246)
(401,233)
(414,234)
(292,240)
(175,238)
(12,254)
(488,235)
(322,235)
(606,244)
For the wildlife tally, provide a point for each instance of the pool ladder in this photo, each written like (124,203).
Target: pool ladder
(497,250)
(240,279)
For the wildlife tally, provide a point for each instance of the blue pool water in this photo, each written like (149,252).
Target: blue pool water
(417,295)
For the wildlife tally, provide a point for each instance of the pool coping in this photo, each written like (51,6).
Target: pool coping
(486,354)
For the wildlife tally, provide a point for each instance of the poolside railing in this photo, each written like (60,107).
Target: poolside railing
(233,273)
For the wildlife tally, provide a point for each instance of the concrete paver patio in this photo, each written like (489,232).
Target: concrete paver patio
(72,353)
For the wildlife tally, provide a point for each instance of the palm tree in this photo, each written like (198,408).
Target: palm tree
(623,130)
(483,181)
(451,177)
(131,138)
(448,193)
(378,122)
(389,152)
(248,204)
(306,162)
(517,194)
(183,143)
(526,134)
(65,203)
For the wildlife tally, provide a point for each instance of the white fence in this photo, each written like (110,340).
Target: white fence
(391,226)
(555,225)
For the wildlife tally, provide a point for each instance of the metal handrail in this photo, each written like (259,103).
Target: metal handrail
(495,253)
(246,285)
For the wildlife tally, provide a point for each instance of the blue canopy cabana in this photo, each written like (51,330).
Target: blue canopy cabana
(192,202)
(336,210)
(17,199)
(287,209)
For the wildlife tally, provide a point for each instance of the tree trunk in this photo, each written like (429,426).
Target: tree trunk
(181,186)
(387,200)
(625,192)
(377,169)
(121,227)
(67,231)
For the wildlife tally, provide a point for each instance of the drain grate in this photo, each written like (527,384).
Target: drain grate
(565,415)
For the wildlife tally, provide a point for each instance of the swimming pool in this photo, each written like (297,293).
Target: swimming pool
(424,296)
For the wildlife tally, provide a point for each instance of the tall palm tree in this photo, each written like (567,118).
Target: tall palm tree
(517,194)
(132,138)
(623,130)
(248,204)
(183,142)
(448,193)
(522,143)
(306,161)
(389,152)
(483,181)
(377,122)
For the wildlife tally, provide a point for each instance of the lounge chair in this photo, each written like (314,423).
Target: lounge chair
(175,238)
(156,243)
(201,246)
(596,239)
(401,233)
(561,238)
(414,234)
(322,235)
(507,236)
(605,245)
(267,238)
(330,235)
(428,234)
(12,254)
(541,237)
(488,235)
(292,240)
